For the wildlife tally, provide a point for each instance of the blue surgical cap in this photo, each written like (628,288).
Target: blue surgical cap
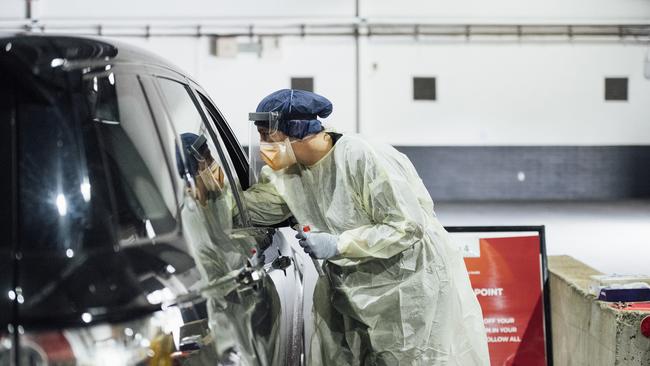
(300,110)
(187,139)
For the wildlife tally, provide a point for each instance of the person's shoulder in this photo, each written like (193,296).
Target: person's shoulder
(355,145)
(359,153)
(351,144)
(360,150)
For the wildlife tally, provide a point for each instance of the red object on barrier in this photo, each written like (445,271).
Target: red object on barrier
(645,326)
(507,279)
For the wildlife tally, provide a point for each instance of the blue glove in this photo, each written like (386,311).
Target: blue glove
(318,245)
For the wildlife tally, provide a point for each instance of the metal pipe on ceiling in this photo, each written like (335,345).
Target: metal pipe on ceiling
(624,32)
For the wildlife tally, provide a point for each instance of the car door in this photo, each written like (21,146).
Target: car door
(245,311)
(289,282)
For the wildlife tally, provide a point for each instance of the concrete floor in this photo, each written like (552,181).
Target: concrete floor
(612,237)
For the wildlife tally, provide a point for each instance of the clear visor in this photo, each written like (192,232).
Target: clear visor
(266,120)
(268,148)
(262,128)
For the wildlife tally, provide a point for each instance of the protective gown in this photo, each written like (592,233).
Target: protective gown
(399,292)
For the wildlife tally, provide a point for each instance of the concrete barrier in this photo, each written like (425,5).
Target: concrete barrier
(590,332)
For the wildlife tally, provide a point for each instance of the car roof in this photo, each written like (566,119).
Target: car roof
(80,51)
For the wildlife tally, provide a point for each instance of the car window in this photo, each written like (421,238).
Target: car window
(99,152)
(221,242)
(210,211)
(91,195)
(131,148)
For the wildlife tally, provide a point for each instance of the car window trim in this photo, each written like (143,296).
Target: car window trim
(163,120)
(220,144)
(162,145)
(229,139)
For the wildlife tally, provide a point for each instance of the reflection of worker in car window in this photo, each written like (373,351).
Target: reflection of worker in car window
(208,208)
(207,174)
(207,216)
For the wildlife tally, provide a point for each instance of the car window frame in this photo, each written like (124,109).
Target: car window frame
(159,139)
(232,144)
(219,142)
(163,122)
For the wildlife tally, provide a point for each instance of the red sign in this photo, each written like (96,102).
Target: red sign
(507,278)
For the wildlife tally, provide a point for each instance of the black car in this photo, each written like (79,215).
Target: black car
(109,253)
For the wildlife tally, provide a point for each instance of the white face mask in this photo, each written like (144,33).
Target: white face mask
(277,155)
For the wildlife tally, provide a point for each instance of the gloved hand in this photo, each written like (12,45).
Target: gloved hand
(318,245)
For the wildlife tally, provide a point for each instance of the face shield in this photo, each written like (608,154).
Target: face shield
(266,120)
(268,145)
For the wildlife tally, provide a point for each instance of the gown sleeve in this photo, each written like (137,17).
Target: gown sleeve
(264,203)
(387,189)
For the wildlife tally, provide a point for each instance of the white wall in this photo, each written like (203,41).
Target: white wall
(504,93)
(173,9)
(12,9)
(238,84)
(557,11)
(329,61)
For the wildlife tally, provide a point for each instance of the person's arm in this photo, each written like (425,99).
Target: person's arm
(391,202)
(265,205)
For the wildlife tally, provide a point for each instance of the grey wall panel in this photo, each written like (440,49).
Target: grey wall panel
(461,173)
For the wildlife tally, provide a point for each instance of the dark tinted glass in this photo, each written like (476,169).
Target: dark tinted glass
(96,229)
(63,194)
(134,160)
(70,149)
